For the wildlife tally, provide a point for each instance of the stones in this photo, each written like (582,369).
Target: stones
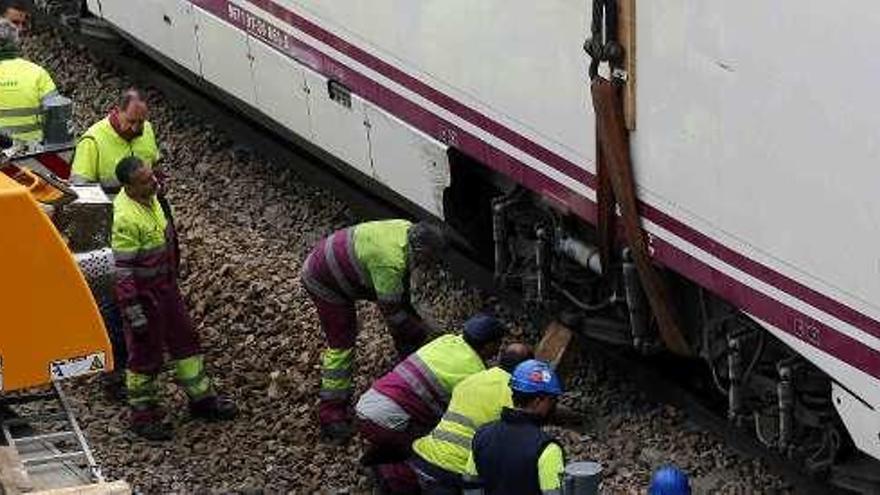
(246,224)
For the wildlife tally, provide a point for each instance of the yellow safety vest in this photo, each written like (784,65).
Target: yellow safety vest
(100,149)
(476,401)
(23,86)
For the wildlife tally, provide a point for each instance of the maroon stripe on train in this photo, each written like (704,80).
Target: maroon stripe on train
(789,320)
(442,130)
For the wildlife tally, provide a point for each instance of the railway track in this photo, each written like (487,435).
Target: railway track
(271,142)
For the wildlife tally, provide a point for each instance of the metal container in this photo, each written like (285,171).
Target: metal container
(86,223)
(57,120)
(581,478)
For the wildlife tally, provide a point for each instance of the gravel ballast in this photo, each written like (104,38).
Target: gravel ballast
(246,224)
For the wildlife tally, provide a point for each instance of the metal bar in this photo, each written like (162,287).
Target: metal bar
(90,459)
(35,418)
(52,459)
(43,438)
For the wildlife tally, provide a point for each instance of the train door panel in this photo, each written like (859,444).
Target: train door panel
(116,12)
(339,122)
(169,27)
(225,56)
(280,88)
(407,161)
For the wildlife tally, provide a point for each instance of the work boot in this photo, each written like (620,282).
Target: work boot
(214,408)
(338,433)
(114,386)
(154,431)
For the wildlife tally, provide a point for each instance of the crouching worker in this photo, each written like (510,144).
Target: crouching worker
(407,402)
(371,261)
(441,458)
(514,456)
(155,319)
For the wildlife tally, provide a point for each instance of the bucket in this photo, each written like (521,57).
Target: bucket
(581,478)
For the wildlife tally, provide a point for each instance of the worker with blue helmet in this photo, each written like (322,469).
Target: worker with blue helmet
(514,456)
(669,480)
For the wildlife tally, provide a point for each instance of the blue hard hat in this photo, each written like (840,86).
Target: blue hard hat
(535,377)
(669,480)
(482,328)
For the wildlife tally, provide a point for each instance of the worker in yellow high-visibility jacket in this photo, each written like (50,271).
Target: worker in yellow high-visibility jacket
(24,86)
(124,132)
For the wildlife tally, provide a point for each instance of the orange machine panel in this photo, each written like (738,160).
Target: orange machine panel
(49,323)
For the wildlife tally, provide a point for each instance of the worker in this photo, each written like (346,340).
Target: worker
(18,12)
(669,480)
(125,131)
(370,261)
(152,308)
(408,401)
(513,456)
(441,457)
(24,86)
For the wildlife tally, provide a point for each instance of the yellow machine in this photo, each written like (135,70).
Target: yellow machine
(50,327)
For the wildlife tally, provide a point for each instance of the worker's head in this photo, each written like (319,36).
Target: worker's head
(484,333)
(9,39)
(536,387)
(669,480)
(17,12)
(427,243)
(137,178)
(132,112)
(514,354)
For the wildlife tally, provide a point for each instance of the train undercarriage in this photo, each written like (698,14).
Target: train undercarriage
(551,261)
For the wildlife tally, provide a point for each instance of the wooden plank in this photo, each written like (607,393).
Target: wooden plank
(627,37)
(554,343)
(111,488)
(13,476)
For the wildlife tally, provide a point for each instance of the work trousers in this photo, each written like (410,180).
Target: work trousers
(168,329)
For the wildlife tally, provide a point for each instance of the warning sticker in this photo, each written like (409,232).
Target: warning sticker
(78,366)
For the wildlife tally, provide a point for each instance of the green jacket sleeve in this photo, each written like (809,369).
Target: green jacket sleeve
(551,463)
(85,162)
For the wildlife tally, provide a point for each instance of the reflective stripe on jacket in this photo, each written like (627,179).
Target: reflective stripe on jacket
(423,383)
(144,252)
(476,401)
(101,148)
(23,86)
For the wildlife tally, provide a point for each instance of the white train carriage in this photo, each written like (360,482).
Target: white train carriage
(756,164)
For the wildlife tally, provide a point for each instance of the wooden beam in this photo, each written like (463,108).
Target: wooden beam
(554,343)
(13,476)
(627,37)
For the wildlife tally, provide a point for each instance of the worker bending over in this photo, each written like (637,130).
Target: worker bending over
(24,86)
(408,401)
(513,456)
(370,261)
(124,132)
(441,458)
(18,12)
(152,308)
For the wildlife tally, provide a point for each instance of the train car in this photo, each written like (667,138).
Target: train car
(755,169)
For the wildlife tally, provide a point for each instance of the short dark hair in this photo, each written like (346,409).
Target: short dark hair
(126,168)
(23,5)
(428,237)
(521,399)
(511,356)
